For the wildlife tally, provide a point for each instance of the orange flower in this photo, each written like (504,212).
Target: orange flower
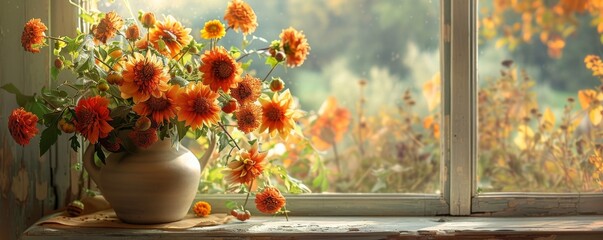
(107,27)
(173,34)
(91,116)
(202,209)
(33,36)
(22,126)
(295,46)
(132,33)
(198,106)
(248,90)
(270,200)
(213,29)
(142,43)
(240,16)
(249,117)
(278,114)
(143,77)
(331,125)
(220,70)
(247,167)
(160,109)
(145,138)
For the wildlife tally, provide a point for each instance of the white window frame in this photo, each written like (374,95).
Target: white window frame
(459,197)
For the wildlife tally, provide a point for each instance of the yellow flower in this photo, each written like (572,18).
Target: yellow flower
(213,29)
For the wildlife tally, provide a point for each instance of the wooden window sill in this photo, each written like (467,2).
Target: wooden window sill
(567,227)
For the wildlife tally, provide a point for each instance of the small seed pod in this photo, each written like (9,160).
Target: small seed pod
(230,106)
(102,85)
(280,56)
(115,78)
(277,84)
(142,124)
(75,208)
(58,63)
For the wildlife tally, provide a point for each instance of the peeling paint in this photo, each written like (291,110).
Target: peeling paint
(20,185)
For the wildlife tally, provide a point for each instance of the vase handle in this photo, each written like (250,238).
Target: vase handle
(210,150)
(90,166)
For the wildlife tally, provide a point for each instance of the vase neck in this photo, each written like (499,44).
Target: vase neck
(160,145)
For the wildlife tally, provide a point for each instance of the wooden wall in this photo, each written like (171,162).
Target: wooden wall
(31,186)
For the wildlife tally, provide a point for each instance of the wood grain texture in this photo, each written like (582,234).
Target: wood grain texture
(588,227)
(462,118)
(31,185)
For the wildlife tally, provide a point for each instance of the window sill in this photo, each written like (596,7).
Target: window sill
(586,227)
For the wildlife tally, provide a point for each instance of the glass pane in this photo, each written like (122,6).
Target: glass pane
(370,89)
(540,96)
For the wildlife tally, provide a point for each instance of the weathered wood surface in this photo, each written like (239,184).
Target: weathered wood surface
(30,186)
(581,227)
(525,204)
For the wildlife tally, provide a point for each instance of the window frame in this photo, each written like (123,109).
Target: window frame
(458,155)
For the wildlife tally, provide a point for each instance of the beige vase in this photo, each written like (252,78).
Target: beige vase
(153,185)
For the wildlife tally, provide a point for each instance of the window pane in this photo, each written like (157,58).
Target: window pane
(370,89)
(539,103)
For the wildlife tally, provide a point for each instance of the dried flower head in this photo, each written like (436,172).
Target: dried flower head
(248,90)
(249,117)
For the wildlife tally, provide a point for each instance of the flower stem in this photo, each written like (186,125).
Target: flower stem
(103,62)
(248,193)
(55,38)
(228,134)
(272,69)
(179,58)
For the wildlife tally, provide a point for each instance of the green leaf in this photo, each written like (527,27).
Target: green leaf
(271,61)
(103,53)
(37,108)
(87,18)
(246,65)
(223,141)
(231,204)
(54,72)
(22,100)
(99,152)
(75,144)
(120,112)
(49,137)
(182,129)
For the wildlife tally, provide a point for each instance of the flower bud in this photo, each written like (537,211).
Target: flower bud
(58,63)
(280,56)
(142,124)
(116,53)
(66,127)
(230,106)
(189,68)
(102,85)
(132,33)
(148,20)
(115,78)
(277,85)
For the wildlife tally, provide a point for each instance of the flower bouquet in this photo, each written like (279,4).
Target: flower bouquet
(143,81)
